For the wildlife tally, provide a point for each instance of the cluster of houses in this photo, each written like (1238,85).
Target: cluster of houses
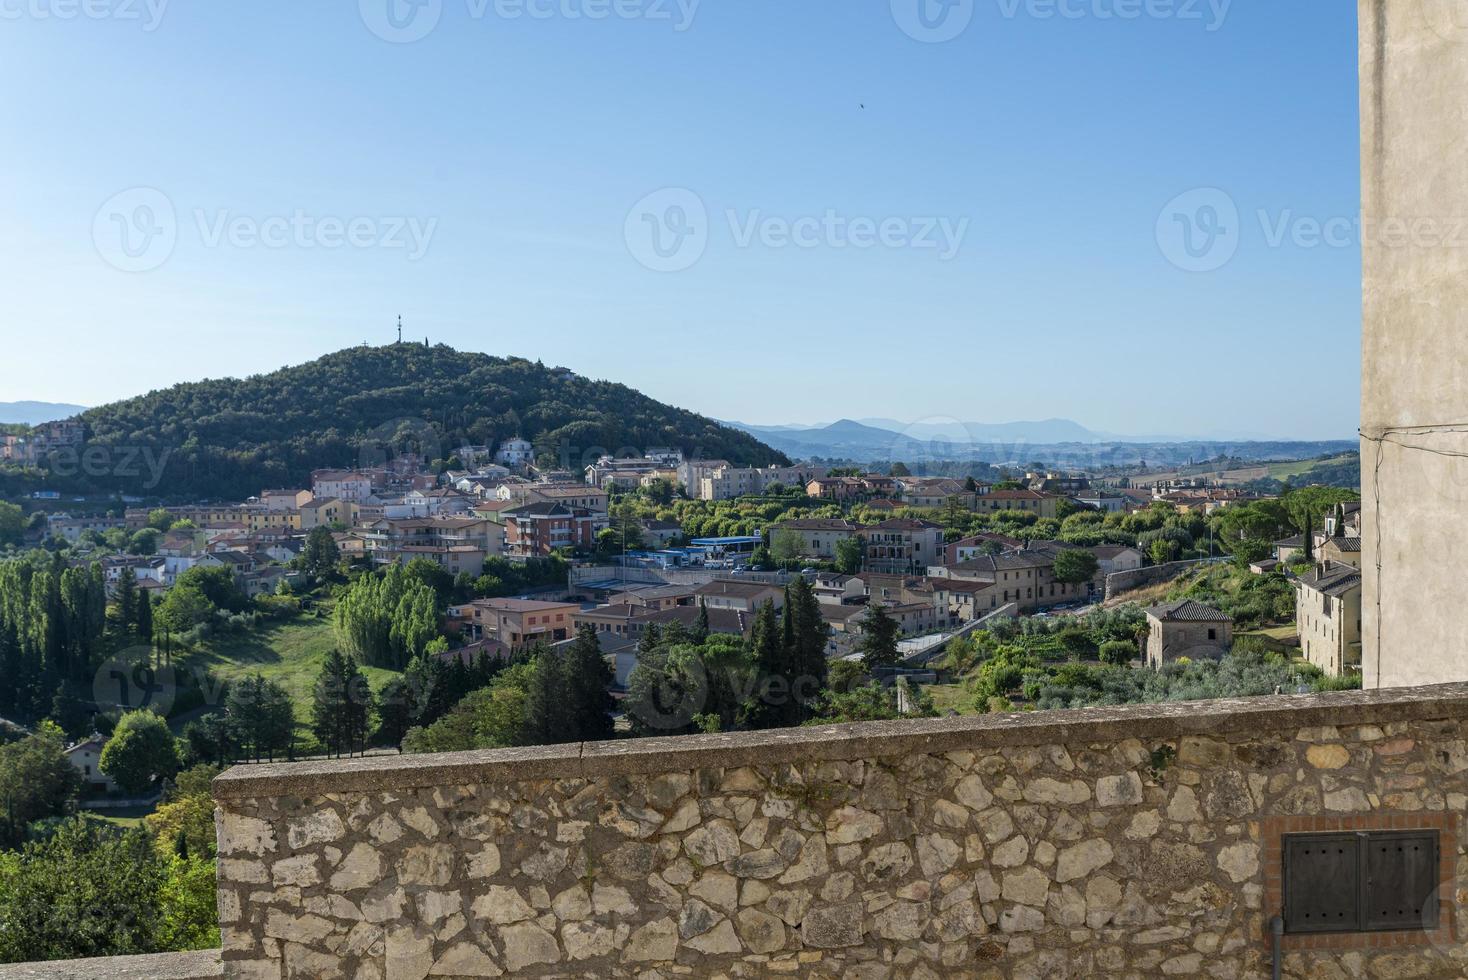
(1327,603)
(43,439)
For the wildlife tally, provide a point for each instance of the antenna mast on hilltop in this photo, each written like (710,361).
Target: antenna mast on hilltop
(400,328)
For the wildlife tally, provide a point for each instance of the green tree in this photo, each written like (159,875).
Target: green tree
(849,555)
(1075,566)
(12,523)
(320,555)
(260,718)
(341,704)
(786,546)
(140,751)
(770,704)
(589,679)
(872,702)
(36,781)
(144,618)
(159,519)
(143,542)
(1118,653)
(809,633)
(879,636)
(88,890)
(127,600)
(185,819)
(700,630)
(547,714)
(188,905)
(183,609)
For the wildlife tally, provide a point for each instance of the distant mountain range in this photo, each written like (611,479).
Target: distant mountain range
(34,413)
(1058,442)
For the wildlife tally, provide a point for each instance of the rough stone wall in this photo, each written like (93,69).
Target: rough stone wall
(1121,843)
(1136,578)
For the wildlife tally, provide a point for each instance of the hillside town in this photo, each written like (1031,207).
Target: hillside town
(904,554)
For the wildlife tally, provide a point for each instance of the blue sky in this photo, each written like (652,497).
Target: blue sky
(1018,224)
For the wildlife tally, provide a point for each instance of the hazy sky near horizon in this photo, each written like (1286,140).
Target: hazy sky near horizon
(1139,214)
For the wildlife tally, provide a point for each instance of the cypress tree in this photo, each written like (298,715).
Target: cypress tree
(769,705)
(701,625)
(546,717)
(808,656)
(879,639)
(145,619)
(589,679)
(127,599)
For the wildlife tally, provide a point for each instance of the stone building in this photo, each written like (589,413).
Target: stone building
(1187,628)
(1328,617)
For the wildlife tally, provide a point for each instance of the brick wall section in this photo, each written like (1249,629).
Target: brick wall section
(1123,842)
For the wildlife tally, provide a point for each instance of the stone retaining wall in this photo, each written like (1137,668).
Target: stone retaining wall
(1124,842)
(1118,583)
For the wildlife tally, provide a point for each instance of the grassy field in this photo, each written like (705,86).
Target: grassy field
(121,816)
(1279,637)
(1284,471)
(951,697)
(288,653)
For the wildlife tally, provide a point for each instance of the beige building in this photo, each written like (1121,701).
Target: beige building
(1027,501)
(1025,578)
(1414,392)
(902,546)
(741,596)
(518,623)
(731,482)
(1187,628)
(1328,617)
(342,484)
(330,510)
(818,536)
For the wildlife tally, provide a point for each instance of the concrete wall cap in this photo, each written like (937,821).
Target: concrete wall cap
(1239,716)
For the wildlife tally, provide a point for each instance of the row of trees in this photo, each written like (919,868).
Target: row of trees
(53,620)
(545,698)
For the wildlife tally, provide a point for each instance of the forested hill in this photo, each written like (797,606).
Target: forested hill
(231,438)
